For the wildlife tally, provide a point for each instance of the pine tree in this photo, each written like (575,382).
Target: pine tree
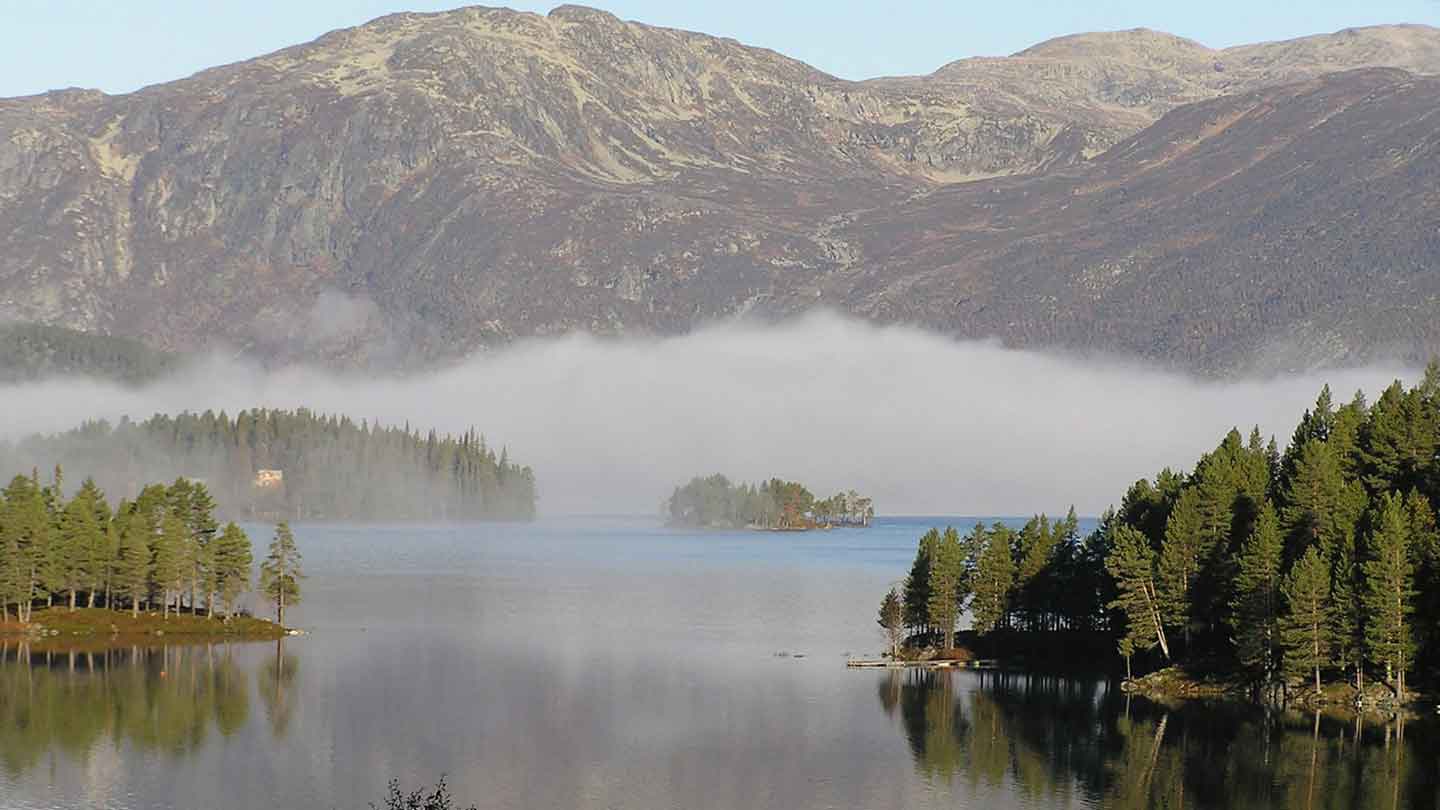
(280,572)
(947,586)
(170,560)
(1306,630)
(1314,497)
(892,620)
(132,564)
(1256,603)
(24,537)
(1389,592)
(1131,564)
(1179,562)
(98,553)
(917,584)
(79,536)
(1347,614)
(994,579)
(230,572)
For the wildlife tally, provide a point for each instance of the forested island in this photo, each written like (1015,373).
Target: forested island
(714,502)
(1312,573)
(127,569)
(277,464)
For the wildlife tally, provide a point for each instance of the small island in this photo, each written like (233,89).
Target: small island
(714,502)
(157,569)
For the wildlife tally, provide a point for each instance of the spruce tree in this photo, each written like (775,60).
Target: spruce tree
(1389,592)
(1306,630)
(1256,602)
(280,572)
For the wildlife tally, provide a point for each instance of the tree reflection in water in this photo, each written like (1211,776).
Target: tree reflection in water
(277,683)
(1049,741)
(156,699)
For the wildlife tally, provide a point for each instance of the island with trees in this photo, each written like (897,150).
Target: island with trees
(158,565)
(277,464)
(1309,575)
(714,502)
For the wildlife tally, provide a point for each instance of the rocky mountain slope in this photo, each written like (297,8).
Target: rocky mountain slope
(428,185)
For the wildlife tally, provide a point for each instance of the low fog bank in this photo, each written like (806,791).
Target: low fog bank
(924,424)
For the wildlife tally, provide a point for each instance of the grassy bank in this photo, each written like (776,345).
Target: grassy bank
(83,624)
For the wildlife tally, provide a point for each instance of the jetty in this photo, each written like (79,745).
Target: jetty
(891,663)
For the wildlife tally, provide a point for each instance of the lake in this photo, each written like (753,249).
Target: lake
(605,663)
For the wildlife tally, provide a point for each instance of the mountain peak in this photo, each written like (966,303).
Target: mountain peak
(1139,46)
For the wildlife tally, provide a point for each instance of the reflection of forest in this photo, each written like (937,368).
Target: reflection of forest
(157,699)
(1050,740)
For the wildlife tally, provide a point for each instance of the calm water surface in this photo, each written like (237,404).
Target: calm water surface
(607,663)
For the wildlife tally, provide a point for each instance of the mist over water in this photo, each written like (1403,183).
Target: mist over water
(924,424)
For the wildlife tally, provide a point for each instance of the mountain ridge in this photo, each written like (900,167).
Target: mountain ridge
(427,185)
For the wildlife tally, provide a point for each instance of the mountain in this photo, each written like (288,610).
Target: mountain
(428,185)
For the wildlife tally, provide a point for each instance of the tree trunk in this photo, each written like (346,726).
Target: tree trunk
(72,600)
(134,606)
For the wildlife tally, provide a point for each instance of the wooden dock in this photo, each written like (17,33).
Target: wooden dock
(890,663)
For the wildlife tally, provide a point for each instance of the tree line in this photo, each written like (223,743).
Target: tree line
(1319,562)
(32,351)
(716,502)
(164,551)
(315,466)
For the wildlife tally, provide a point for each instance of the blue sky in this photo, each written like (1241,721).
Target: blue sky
(121,45)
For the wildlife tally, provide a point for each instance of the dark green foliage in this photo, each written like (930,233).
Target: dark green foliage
(229,569)
(1325,558)
(1389,594)
(158,551)
(329,467)
(917,584)
(1256,600)
(33,351)
(714,502)
(994,579)
(280,572)
(1131,564)
(949,586)
(1306,630)
(892,619)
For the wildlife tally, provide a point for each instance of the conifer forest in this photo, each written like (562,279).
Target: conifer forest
(278,464)
(1314,565)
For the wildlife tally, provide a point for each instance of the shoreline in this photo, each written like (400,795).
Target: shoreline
(1175,684)
(60,627)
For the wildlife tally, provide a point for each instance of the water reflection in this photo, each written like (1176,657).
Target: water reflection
(276,680)
(164,700)
(1055,740)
